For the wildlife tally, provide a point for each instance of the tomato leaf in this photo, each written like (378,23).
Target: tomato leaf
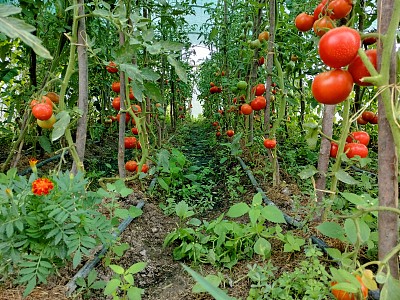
(45,143)
(63,120)
(308,172)
(351,231)
(343,176)
(180,71)
(332,230)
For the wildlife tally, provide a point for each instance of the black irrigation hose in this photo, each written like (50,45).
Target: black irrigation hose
(42,163)
(84,271)
(375,295)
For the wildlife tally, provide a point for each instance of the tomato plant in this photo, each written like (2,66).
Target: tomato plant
(332,87)
(368,116)
(43,99)
(130,142)
(135,131)
(358,70)
(53,97)
(269,143)
(145,168)
(42,111)
(353,149)
(304,22)
(339,46)
(361,121)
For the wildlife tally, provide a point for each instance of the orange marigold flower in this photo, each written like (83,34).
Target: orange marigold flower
(32,163)
(42,186)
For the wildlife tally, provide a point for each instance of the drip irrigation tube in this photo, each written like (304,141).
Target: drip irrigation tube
(375,295)
(42,163)
(84,271)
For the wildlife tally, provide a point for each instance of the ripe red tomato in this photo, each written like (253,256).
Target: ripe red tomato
(131,165)
(218,134)
(319,11)
(304,22)
(246,109)
(339,46)
(358,70)
(145,168)
(42,111)
(332,87)
(353,149)
(215,124)
(131,96)
(116,87)
(130,142)
(258,103)
(112,67)
(230,132)
(338,9)
(269,143)
(368,115)
(343,295)
(361,121)
(116,103)
(360,136)
(374,120)
(259,89)
(261,61)
(213,89)
(323,25)
(334,150)
(135,131)
(369,41)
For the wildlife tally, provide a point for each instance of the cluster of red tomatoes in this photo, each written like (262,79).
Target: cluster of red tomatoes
(130,142)
(368,117)
(324,16)
(42,110)
(338,49)
(356,144)
(215,89)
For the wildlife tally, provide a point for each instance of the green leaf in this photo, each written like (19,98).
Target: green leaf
(331,229)
(180,71)
(345,286)
(163,184)
(212,290)
(153,91)
(149,74)
(135,212)
(257,199)
(365,231)
(45,143)
(92,277)
(273,214)
(77,259)
(238,210)
(262,247)
(343,176)
(308,172)
(135,293)
(390,289)
(351,231)
(117,269)
(16,28)
(254,214)
(136,268)
(112,286)
(182,210)
(30,286)
(212,279)
(63,120)
(8,10)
